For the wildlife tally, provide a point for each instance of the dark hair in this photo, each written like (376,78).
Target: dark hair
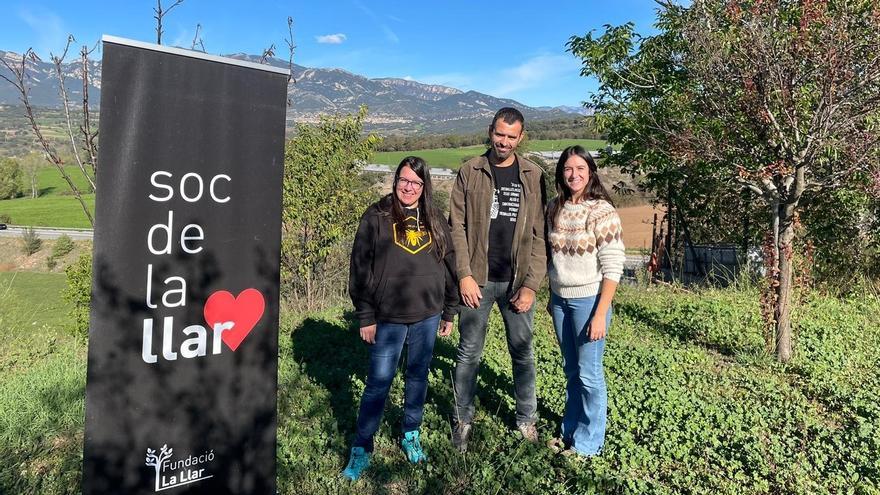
(390,205)
(593,190)
(509,115)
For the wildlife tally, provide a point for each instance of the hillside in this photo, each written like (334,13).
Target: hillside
(396,105)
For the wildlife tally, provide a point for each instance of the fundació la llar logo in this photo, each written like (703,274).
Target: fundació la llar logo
(172,473)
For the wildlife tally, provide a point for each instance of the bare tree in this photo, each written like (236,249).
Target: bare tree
(197,40)
(86,128)
(290,49)
(267,53)
(58,62)
(19,82)
(30,164)
(160,14)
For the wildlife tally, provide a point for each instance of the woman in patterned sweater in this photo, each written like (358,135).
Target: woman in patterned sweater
(586,262)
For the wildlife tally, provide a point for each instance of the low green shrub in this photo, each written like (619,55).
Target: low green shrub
(79,294)
(62,246)
(30,242)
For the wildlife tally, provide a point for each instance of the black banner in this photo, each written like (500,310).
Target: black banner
(183,343)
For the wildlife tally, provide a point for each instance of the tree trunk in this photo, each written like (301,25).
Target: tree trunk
(783,292)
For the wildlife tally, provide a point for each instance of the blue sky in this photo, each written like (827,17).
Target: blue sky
(512,50)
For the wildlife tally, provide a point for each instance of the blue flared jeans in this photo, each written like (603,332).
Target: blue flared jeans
(586,397)
(385,353)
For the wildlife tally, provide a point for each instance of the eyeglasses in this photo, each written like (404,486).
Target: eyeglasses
(401,182)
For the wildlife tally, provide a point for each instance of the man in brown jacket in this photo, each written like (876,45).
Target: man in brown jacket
(497,223)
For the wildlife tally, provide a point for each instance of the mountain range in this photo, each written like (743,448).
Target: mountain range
(400,106)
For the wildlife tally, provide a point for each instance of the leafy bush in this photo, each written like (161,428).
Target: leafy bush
(5,218)
(79,294)
(30,242)
(10,178)
(322,201)
(63,245)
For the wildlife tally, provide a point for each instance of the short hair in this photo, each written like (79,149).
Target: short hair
(510,116)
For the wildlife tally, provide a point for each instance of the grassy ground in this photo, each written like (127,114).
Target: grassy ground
(51,183)
(42,387)
(56,206)
(50,211)
(695,403)
(452,157)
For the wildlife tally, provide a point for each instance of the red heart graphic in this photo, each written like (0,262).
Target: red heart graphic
(244,311)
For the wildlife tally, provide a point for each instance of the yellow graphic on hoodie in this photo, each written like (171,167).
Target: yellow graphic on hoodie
(413,239)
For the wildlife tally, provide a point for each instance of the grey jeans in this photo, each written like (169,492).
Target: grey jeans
(473,325)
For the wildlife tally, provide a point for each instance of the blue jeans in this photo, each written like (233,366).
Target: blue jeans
(384,355)
(586,397)
(473,325)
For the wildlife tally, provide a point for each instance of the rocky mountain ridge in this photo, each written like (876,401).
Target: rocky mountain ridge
(395,105)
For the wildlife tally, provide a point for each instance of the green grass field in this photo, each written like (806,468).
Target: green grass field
(49,211)
(56,206)
(696,405)
(452,157)
(50,182)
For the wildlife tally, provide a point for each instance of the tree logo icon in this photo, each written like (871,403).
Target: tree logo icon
(156,460)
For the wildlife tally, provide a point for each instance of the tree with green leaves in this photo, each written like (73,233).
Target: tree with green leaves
(323,199)
(10,178)
(779,98)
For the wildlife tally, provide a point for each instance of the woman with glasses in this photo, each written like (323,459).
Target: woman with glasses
(402,283)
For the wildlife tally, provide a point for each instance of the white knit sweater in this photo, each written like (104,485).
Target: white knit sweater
(585,246)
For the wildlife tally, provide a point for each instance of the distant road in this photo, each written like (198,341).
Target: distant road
(49,233)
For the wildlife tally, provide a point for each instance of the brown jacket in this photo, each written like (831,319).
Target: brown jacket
(469,209)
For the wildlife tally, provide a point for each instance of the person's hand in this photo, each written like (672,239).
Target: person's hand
(470,292)
(597,327)
(523,299)
(369,334)
(445,329)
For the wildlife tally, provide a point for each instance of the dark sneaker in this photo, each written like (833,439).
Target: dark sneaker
(357,463)
(529,432)
(412,447)
(461,433)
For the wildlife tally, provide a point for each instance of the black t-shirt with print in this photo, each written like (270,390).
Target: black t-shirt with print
(505,207)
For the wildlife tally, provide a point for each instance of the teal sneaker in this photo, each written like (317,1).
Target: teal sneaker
(357,463)
(412,447)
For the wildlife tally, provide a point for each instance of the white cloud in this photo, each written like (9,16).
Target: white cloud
(535,72)
(49,28)
(331,39)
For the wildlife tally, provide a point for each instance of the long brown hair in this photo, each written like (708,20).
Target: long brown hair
(593,190)
(390,205)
